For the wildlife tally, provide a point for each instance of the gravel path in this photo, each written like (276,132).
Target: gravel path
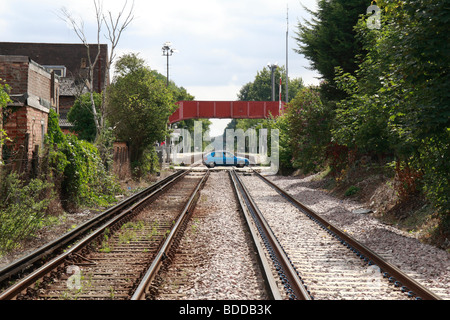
(425,263)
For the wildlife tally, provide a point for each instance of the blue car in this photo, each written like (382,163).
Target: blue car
(223,158)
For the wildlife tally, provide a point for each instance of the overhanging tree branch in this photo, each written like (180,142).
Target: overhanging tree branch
(115,27)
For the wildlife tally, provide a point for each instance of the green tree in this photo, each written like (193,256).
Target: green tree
(417,32)
(328,40)
(260,89)
(285,151)
(398,98)
(82,118)
(309,130)
(139,106)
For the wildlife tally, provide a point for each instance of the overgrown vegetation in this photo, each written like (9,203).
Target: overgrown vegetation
(387,102)
(23,204)
(78,170)
(139,106)
(4,99)
(72,173)
(82,118)
(23,208)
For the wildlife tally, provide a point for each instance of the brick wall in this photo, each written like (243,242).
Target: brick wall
(65,103)
(34,92)
(14,71)
(39,82)
(24,127)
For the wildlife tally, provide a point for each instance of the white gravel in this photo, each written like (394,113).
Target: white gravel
(221,267)
(425,263)
(225,269)
(221,264)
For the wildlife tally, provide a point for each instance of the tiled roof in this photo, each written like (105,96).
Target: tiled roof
(69,87)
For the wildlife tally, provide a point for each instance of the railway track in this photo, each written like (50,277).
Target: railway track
(262,233)
(112,259)
(312,260)
(331,264)
(21,267)
(157,246)
(216,259)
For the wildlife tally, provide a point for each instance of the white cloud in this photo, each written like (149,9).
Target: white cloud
(214,93)
(222,43)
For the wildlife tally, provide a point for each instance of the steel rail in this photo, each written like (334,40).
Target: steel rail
(25,262)
(270,283)
(288,275)
(396,276)
(141,290)
(21,285)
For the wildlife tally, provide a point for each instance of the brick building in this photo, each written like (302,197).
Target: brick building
(44,76)
(34,90)
(70,63)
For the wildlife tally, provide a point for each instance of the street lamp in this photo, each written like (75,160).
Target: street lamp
(272,68)
(168,51)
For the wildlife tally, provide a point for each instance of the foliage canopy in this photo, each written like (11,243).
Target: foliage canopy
(139,105)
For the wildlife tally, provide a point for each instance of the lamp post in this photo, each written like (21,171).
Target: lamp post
(168,51)
(272,68)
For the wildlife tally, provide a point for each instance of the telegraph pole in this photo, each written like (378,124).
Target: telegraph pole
(287,54)
(272,68)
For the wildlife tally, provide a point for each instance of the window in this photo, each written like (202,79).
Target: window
(58,70)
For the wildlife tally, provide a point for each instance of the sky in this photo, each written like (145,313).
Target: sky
(221,44)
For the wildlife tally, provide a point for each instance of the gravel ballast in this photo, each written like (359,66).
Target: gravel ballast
(425,263)
(222,264)
(226,267)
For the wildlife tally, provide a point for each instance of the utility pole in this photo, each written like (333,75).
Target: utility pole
(279,98)
(287,54)
(272,68)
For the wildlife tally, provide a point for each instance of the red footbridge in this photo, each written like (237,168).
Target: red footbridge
(225,110)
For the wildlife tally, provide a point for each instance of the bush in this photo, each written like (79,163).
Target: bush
(309,130)
(82,117)
(78,169)
(351,191)
(23,208)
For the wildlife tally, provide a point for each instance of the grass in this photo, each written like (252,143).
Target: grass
(351,191)
(105,243)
